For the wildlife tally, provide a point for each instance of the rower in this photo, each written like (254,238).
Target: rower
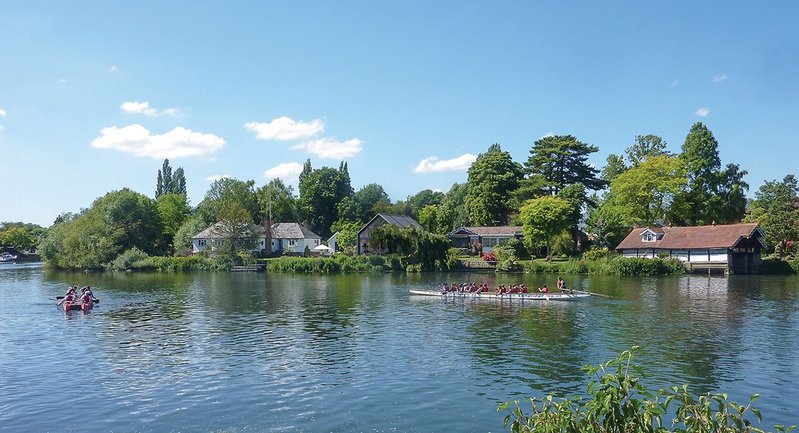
(544,289)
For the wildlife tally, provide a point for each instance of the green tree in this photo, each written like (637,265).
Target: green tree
(607,223)
(643,194)
(424,198)
(169,183)
(491,180)
(544,218)
(645,146)
(614,166)
(132,220)
(453,209)
(368,201)
(575,194)
(431,219)
(712,195)
(278,199)
(173,210)
(18,237)
(561,160)
(235,228)
(225,190)
(182,241)
(775,210)
(347,235)
(320,193)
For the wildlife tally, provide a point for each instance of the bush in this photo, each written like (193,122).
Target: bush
(617,401)
(597,254)
(775,266)
(338,263)
(126,260)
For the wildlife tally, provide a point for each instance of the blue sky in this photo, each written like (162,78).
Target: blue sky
(93,96)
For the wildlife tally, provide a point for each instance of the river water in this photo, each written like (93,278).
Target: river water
(218,352)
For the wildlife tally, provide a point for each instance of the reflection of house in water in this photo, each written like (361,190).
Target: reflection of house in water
(730,248)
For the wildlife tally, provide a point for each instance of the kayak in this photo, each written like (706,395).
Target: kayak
(559,296)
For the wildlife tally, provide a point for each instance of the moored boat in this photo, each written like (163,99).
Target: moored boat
(559,296)
(7,258)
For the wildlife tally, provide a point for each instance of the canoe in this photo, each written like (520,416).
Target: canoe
(559,296)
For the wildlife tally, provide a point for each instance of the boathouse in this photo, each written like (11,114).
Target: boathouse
(483,239)
(728,248)
(364,236)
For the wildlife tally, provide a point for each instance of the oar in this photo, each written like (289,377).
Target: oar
(601,295)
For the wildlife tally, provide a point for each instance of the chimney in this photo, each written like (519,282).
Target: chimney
(268,235)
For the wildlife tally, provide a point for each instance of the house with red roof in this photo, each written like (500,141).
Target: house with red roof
(731,248)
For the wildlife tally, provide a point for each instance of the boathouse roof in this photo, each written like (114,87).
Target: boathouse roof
(696,237)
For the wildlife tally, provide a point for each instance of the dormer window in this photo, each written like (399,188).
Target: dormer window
(649,236)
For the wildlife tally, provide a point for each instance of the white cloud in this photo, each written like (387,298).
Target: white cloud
(177,143)
(703,111)
(145,108)
(287,170)
(216,177)
(113,68)
(285,129)
(330,148)
(720,78)
(434,165)
(2,113)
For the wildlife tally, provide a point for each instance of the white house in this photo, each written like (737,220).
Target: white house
(734,248)
(331,243)
(286,238)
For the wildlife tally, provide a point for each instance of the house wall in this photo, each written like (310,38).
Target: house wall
(715,255)
(198,245)
(365,236)
(293,246)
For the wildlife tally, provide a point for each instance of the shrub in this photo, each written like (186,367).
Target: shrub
(617,401)
(777,266)
(126,260)
(597,254)
(489,257)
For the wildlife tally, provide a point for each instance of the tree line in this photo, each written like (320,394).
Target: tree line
(556,195)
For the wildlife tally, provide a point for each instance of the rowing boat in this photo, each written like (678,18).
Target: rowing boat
(559,296)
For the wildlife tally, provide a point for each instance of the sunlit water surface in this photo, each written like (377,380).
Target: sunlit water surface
(225,352)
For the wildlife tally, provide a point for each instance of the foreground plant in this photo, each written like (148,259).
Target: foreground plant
(617,402)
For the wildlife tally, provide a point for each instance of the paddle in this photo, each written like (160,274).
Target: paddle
(601,295)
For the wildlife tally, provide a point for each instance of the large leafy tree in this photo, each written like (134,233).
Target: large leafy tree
(543,219)
(173,210)
(225,190)
(169,183)
(320,193)
(644,147)
(18,237)
(116,222)
(424,198)
(453,210)
(492,178)
(643,194)
(562,160)
(368,200)
(235,228)
(775,210)
(711,195)
(277,198)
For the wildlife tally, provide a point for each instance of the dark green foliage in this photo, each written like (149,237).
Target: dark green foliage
(116,222)
(277,199)
(423,248)
(775,210)
(610,265)
(561,160)
(712,195)
(169,183)
(493,177)
(128,259)
(625,266)
(337,263)
(617,401)
(320,193)
(225,191)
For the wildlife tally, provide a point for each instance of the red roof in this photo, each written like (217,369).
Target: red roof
(714,236)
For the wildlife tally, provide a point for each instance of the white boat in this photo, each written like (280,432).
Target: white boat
(559,296)
(7,258)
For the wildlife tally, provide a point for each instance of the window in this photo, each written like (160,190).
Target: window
(648,237)
(201,242)
(291,242)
